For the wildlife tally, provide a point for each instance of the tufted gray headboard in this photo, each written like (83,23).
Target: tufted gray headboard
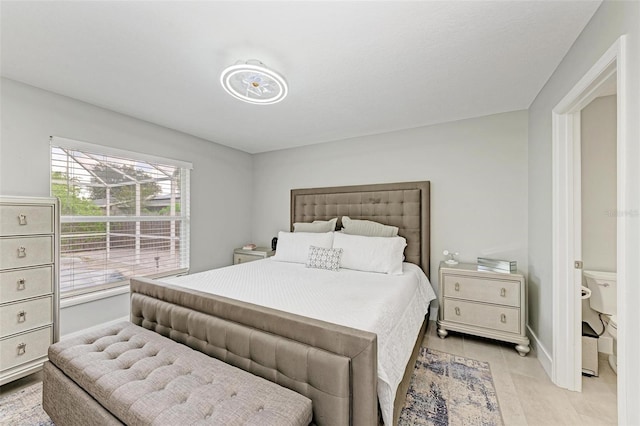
(404,204)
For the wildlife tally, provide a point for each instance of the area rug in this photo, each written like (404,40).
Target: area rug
(445,390)
(24,408)
(448,390)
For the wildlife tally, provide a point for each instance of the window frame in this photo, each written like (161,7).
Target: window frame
(184,216)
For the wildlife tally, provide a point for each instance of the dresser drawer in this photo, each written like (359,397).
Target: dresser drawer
(18,252)
(25,220)
(25,283)
(24,347)
(502,292)
(501,318)
(22,316)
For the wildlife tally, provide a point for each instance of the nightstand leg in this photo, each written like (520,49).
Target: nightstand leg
(442,333)
(523,350)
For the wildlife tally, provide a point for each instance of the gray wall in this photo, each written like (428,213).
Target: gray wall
(477,169)
(221,184)
(598,148)
(612,20)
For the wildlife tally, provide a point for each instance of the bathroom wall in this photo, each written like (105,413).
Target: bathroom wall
(598,151)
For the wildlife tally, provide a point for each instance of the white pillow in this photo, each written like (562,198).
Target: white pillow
(368,228)
(370,254)
(316,226)
(294,246)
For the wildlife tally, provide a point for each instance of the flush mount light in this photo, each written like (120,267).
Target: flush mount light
(251,81)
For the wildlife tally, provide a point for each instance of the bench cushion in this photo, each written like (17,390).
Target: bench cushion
(144,378)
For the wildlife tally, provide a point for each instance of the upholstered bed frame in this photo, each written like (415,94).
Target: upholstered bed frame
(333,365)
(405,205)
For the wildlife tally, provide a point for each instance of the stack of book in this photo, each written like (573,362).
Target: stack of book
(496,265)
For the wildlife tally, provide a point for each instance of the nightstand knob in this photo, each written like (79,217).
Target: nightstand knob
(457,287)
(22,219)
(22,349)
(503,292)
(503,318)
(22,252)
(457,311)
(22,316)
(22,284)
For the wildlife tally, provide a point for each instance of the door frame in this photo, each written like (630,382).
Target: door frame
(566,247)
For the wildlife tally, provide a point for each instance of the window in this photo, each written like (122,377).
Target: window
(123,214)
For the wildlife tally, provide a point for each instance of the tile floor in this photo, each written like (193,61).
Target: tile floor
(525,392)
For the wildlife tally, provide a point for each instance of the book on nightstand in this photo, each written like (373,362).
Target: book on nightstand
(497,265)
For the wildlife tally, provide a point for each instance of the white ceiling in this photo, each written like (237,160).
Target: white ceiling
(353,68)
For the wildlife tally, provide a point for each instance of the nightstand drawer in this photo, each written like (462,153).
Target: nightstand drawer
(482,289)
(244,258)
(25,347)
(25,283)
(26,220)
(493,317)
(20,252)
(22,316)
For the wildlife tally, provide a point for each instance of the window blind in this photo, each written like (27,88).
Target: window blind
(123,214)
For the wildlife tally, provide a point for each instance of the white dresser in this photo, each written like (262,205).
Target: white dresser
(482,303)
(29,300)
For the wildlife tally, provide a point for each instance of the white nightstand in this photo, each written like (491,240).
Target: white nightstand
(244,256)
(482,303)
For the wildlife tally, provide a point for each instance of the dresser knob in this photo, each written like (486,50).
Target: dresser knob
(22,349)
(503,292)
(457,311)
(22,252)
(22,284)
(503,318)
(457,286)
(22,316)
(22,219)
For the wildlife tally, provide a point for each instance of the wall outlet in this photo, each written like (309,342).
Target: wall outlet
(605,345)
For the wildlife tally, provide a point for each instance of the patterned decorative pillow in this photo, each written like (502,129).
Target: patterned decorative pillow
(324,258)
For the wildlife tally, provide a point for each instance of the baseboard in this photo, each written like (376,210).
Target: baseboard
(543,354)
(95,327)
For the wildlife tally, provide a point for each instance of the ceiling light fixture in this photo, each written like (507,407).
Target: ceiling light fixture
(251,81)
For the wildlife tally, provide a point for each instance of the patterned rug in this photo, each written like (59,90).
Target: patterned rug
(445,390)
(24,408)
(450,390)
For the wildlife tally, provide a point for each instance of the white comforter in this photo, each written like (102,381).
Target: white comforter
(392,306)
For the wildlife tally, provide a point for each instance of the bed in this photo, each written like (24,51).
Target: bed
(248,315)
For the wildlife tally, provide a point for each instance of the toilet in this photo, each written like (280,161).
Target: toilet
(603,286)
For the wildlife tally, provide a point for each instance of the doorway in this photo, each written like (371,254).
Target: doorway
(598,216)
(567,226)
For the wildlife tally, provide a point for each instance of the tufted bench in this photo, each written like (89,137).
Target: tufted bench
(139,377)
